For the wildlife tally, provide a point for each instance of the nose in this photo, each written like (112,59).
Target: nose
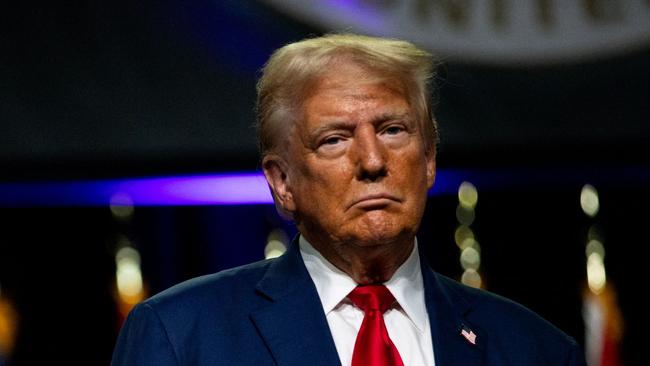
(370,155)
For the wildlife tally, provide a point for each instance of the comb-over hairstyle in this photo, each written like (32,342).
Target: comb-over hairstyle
(293,69)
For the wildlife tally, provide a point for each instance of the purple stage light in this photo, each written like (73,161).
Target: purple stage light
(217,189)
(191,190)
(226,189)
(251,188)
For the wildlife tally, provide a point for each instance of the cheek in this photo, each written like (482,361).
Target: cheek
(412,170)
(415,182)
(316,192)
(332,177)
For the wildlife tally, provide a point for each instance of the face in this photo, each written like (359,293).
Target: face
(355,170)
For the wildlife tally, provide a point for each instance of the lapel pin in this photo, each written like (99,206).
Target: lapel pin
(469,334)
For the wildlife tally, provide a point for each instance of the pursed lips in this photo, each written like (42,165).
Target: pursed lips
(377,199)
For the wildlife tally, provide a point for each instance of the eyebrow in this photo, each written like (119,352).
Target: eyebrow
(391,116)
(343,125)
(330,126)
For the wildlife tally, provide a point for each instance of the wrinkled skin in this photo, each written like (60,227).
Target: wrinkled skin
(355,172)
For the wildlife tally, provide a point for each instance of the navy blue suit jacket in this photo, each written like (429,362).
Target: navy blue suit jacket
(269,313)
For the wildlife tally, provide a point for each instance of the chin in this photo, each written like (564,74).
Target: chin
(385,223)
(380,234)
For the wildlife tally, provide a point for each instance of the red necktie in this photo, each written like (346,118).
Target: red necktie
(373,346)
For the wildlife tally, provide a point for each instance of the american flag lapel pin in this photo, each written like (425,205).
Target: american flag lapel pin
(469,334)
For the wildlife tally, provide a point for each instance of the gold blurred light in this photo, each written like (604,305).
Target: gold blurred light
(121,206)
(123,242)
(596,276)
(127,254)
(462,234)
(8,327)
(470,258)
(594,232)
(471,278)
(595,246)
(589,200)
(467,195)
(129,275)
(465,215)
(470,243)
(274,248)
(276,244)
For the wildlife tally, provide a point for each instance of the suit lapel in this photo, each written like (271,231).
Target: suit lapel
(293,324)
(295,329)
(446,309)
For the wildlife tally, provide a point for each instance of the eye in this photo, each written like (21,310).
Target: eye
(332,140)
(394,129)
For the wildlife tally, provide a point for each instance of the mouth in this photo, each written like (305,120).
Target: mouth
(375,201)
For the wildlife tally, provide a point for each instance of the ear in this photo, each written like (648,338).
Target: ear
(277,175)
(431,166)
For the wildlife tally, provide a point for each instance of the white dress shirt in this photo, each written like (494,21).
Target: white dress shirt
(407,323)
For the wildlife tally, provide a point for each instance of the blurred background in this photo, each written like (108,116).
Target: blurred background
(128,160)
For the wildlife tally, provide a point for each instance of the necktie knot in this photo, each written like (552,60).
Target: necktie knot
(372,297)
(373,346)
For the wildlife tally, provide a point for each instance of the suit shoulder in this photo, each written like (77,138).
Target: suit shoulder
(224,286)
(207,315)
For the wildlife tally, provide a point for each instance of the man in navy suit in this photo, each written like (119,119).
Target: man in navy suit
(348,146)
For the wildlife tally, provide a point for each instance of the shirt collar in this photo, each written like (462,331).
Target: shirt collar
(333,285)
(407,287)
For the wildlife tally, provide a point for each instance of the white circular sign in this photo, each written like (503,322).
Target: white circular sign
(492,31)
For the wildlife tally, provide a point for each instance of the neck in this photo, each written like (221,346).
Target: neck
(366,264)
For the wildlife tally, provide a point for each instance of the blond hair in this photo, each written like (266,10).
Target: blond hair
(292,69)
